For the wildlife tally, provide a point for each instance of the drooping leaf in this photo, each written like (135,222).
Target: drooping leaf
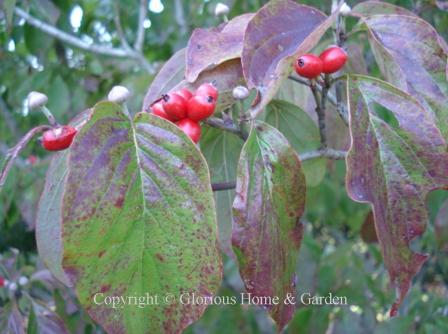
(301,132)
(168,77)
(393,167)
(369,8)
(413,57)
(49,214)
(16,321)
(208,48)
(278,33)
(269,201)
(222,149)
(43,320)
(139,218)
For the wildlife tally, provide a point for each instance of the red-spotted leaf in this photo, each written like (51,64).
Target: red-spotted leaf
(278,33)
(224,76)
(269,201)
(393,167)
(208,48)
(138,219)
(49,214)
(413,57)
(369,8)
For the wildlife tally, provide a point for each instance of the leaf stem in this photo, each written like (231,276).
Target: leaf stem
(12,153)
(320,111)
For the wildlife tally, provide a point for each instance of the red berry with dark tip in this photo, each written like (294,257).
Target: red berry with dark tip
(175,106)
(157,109)
(333,59)
(191,128)
(308,66)
(2,282)
(200,107)
(185,93)
(59,138)
(207,89)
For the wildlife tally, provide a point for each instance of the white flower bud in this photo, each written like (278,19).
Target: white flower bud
(118,94)
(12,286)
(221,9)
(36,100)
(240,93)
(345,9)
(23,281)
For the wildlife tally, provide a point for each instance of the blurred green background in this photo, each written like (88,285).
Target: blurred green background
(333,256)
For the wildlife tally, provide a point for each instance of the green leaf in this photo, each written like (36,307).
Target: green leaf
(222,150)
(8,7)
(58,97)
(394,167)
(413,58)
(49,211)
(275,36)
(269,201)
(139,219)
(301,132)
(208,48)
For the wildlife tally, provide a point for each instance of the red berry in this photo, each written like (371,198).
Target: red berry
(2,282)
(191,128)
(58,138)
(200,107)
(207,89)
(157,109)
(185,93)
(333,59)
(308,66)
(175,106)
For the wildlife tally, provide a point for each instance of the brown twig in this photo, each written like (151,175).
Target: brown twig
(223,186)
(226,126)
(12,153)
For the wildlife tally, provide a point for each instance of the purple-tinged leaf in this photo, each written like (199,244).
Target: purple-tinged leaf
(139,219)
(42,320)
(169,76)
(208,48)
(413,57)
(279,32)
(49,214)
(368,232)
(16,321)
(269,201)
(393,167)
(369,8)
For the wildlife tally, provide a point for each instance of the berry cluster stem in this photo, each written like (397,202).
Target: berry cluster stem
(49,116)
(320,111)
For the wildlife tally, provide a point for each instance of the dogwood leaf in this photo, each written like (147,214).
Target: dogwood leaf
(393,167)
(269,201)
(138,219)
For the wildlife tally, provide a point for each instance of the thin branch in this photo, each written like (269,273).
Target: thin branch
(223,186)
(299,80)
(80,44)
(220,124)
(138,45)
(323,153)
(320,111)
(119,27)
(180,17)
(340,40)
(12,154)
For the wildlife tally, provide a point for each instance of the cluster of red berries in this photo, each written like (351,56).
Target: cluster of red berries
(186,109)
(331,60)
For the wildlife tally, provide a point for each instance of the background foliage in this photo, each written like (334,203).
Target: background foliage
(333,256)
